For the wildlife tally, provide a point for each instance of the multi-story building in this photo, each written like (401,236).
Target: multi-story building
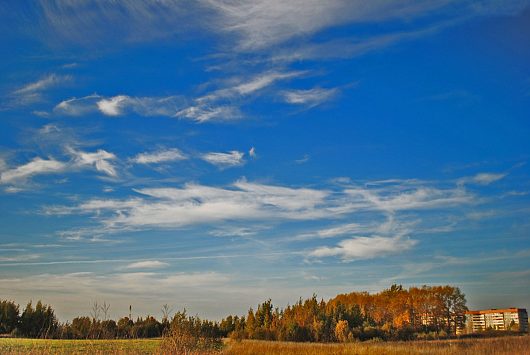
(499,319)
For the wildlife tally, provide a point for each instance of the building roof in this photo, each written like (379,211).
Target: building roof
(494,310)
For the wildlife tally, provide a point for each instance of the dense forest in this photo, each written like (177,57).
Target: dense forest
(394,313)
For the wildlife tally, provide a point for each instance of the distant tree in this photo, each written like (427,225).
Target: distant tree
(95,311)
(125,326)
(81,327)
(9,316)
(342,331)
(39,322)
(105,310)
(109,329)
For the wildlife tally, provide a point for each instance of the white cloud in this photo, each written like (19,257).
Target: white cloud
(397,197)
(205,113)
(147,264)
(248,86)
(260,82)
(235,231)
(252,152)
(35,167)
(13,189)
(160,156)
(222,104)
(43,84)
(224,160)
(100,159)
(194,204)
(311,98)
(120,105)
(365,247)
(389,227)
(33,92)
(77,106)
(246,24)
(303,160)
(481,178)
(113,106)
(487,178)
(339,230)
(261,24)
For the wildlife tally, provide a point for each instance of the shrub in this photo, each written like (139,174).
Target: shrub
(188,335)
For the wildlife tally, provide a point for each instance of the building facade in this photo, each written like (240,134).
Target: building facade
(515,319)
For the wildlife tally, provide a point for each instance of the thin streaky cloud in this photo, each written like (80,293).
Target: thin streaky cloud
(488,178)
(261,24)
(224,160)
(311,97)
(365,248)
(208,113)
(101,160)
(482,178)
(35,167)
(147,264)
(43,84)
(120,261)
(120,105)
(160,156)
(193,204)
(77,106)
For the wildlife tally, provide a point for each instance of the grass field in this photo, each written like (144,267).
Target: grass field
(505,345)
(43,346)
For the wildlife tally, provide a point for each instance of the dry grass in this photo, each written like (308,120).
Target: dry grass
(519,345)
(13,346)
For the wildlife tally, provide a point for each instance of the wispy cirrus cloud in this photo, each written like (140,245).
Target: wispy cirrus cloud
(309,98)
(482,178)
(487,178)
(365,247)
(120,105)
(261,24)
(225,103)
(218,105)
(244,25)
(160,156)
(43,84)
(206,113)
(35,167)
(193,204)
(34,92)
(250,85)
(77,106)
(100,160)
(224,160)
(147,264)
(398,197)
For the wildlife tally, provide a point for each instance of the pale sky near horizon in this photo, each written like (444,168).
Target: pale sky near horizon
(213,154)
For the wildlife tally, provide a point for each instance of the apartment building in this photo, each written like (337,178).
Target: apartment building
(499,319)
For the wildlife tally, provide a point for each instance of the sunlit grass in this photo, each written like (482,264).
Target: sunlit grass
(44,346)
(505,345)
(489,346)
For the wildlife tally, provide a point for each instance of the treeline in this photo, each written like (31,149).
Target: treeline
(40,322)
(394,313)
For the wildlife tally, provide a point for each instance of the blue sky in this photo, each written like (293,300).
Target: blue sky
(215,154)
